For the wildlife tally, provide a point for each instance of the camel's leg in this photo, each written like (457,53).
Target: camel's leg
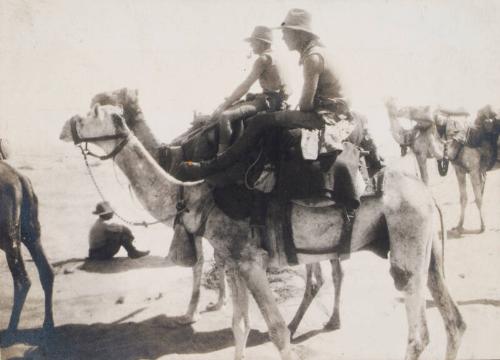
(192,311)
(483,181)
(312,288)
(422,166)
(477,180)
(251,267)
(463,197)
(22,282)
(452,318)
(221,301)
(337,276)
(409,257)
(241,322)
(418,335)
(46,275)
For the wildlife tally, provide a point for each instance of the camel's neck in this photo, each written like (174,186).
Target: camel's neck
(143,132)
(150,183)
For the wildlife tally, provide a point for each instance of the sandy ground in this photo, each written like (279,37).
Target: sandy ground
(124,309)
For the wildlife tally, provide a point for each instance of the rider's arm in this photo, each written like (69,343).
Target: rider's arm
(313,65)
(257,70)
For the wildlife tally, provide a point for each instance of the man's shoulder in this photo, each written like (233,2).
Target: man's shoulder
(313,61)
(264,60)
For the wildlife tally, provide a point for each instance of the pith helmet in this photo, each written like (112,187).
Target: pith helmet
(298,19)
(262,33)
(102,208)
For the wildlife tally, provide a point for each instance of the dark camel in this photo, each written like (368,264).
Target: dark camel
(19,224)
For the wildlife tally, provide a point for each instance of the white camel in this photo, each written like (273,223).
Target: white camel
(402,217)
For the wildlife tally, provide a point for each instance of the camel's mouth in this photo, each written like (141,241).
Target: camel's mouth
(65,134)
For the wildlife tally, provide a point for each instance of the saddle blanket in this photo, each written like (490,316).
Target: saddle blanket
(327,140)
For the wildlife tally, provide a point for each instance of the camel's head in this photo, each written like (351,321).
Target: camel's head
(409,112)
(417,113)
(101,121)
(488,120)
(123,97)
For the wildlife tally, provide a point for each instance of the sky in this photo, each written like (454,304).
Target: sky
(187,55)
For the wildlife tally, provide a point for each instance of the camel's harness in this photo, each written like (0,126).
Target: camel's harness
(125,137)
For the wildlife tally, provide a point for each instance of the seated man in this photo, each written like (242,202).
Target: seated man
(319,103)
(268,70)
(106,239)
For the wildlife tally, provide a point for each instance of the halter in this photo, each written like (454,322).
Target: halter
(77,140)
(125,136)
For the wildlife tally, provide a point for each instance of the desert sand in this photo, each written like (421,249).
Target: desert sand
(124,309)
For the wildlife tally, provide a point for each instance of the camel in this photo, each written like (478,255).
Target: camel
(426,143)
(19,224)
(128,99)
(402,219)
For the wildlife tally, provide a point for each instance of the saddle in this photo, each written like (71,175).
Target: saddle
(297,181)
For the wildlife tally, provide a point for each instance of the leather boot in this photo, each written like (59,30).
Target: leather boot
(135,254)
(132,252)
(193,171)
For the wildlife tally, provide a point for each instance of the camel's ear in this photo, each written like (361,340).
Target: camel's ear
(118,121)
(96,110)
(133,94)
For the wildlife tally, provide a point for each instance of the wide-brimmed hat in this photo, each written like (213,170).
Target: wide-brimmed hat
(262,33)
(103,208)
(298,19)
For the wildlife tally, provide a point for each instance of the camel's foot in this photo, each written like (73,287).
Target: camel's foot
(455,232)
(48,325)
(292,327)
(8,337)
(454,341)
(168,261)
(186,319)
(215,306)
(12,328)
(458,232)
(289,354)
(332,324)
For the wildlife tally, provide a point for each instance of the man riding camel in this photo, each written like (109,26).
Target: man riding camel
(268,70)
(321,98)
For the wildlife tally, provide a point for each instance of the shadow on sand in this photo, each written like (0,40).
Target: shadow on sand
(454,234)
(149,339)
(489,302)
(112,266)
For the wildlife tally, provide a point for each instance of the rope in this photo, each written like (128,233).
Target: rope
(249,187)
(101,194)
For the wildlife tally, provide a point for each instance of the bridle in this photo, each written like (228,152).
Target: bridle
(78,140)
(125,136)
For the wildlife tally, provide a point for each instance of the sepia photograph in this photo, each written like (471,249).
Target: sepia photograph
(265,179)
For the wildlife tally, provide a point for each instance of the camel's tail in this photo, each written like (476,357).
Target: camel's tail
(30,225)
(443,232)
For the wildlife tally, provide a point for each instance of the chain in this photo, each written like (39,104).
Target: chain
(99,191)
